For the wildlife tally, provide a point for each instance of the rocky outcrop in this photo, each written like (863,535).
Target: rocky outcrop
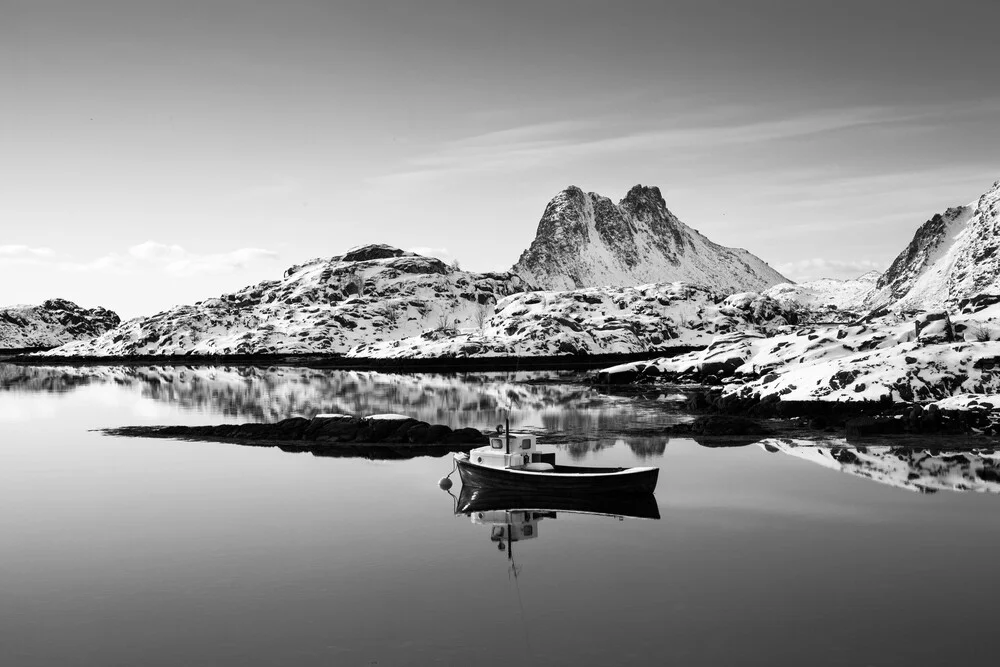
(585,240)
(325,306)
(53,323)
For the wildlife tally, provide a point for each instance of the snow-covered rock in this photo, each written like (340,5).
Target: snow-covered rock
(600,320)
(54,322)
(586,240)
(891,359)
(371,293)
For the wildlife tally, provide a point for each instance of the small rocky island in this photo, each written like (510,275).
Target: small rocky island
(374,437)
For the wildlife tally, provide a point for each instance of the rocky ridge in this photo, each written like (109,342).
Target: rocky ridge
(585,240)
(53,323)
(325,306)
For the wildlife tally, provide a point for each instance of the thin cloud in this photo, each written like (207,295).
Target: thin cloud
(18,251)
(533,145)
(172,260)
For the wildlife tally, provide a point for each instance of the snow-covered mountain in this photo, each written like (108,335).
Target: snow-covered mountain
(952,257)
(586,240)
(53,323)
(328,306)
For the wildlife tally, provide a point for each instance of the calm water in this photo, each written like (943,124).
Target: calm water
(122,551)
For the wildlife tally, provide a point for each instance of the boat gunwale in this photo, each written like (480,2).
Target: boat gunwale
(611,472)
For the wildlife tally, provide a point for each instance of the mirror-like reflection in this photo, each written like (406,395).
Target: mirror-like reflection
(914,469)
(543,402)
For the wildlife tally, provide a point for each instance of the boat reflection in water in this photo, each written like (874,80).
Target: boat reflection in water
(514,516)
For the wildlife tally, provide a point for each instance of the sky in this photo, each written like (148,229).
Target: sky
(155,153)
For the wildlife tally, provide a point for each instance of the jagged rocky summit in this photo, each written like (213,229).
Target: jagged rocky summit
(586,240)
(324,306)
(53,323)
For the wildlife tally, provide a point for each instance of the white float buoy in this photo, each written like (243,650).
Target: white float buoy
(444,483)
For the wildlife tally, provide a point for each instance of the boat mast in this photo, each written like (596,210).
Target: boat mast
(506,433)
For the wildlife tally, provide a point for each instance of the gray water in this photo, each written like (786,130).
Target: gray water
(117,551)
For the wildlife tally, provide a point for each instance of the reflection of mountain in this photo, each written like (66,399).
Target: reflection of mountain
(549,401)
(921,470)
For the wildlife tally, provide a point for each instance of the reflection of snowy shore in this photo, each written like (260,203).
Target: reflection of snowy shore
(547,401)
(903,467)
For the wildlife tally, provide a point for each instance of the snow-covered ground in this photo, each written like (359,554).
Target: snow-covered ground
(600,320)
(883,360)
(54,322)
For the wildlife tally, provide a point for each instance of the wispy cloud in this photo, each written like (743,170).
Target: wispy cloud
(23,251)
(815,268)
(172,260)
(518,148)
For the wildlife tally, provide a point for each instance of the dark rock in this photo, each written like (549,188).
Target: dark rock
(727,425)
(467,436)
(370,252)
(437,433)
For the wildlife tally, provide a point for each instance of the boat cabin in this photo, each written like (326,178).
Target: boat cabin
(510,450)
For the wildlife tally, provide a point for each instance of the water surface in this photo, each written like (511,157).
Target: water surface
(120,551)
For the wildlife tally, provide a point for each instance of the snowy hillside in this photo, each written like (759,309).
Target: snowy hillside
(952,257)
(826,299)
(372,293)
(600,320)
(586,240)
(53,323)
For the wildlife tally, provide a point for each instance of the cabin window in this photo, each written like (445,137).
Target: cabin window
(528,531)
(526,443)
(496,443)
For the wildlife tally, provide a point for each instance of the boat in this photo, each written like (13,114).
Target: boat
(513,462)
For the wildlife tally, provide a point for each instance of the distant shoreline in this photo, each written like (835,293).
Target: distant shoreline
(333,362)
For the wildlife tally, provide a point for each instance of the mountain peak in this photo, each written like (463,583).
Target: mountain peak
(586,240)
(644,193)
